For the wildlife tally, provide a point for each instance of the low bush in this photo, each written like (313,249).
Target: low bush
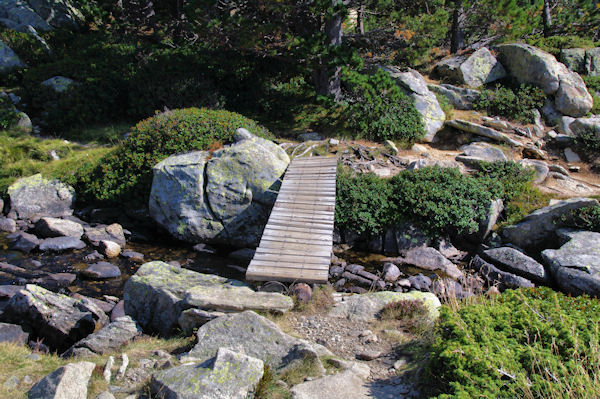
(125,175)
(553,44)
(363,202)
(9,115)
(533,343)
(442,200)
(593,85)
(439,200)
(583,218)
(379,110)
(588,143)
(512,104)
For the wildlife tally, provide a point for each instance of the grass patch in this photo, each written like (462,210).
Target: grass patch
(307,367)
(321,301)
(101,134)
(268,388)
(14,362)
(24,155)
(529,343)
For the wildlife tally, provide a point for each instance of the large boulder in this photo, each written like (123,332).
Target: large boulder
(534,66)
(413,84)
(366,307)
(58,319)
(343,385)
(158,293)
(474,70)
(574,59)
(582,126)
(13,333)
(428,258)
(41,15)
(35,195)
(255,336)
(113,232)
(110,338)
(230,376)
(575,266)
(58,84)
(497,277)
(539,227)
(225,197)
(66,382)
(581,60)
(459,97)
(516,262)
(18,15)
(480,130)
(9,60)
(475,153)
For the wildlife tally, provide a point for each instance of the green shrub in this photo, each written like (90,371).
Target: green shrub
(588,143)
(514,184)
(511,104)
(593,85)
(126,173)
(533,343)
(363,202)
(379,110)
(553,44)
(441,200)
(583,218)
(8,113)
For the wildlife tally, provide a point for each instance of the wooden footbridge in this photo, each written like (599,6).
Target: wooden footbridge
(297,242)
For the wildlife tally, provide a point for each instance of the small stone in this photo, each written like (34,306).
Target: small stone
(204,249)
(109,248)
(552,134)
(418,148)
(400,364)
(11,383)
(302,292)
(93,256)
(105,395)
(13,333)
(118,311)
(33,357)
(27,380)
(102,270)
(7,225)
(574,168)
(60,244)
(571,156)
(24,242)
(368,355)
(336,271)
(354,268)
(405,283)
(391,147)
(333,142)
(391,272)
(133,256)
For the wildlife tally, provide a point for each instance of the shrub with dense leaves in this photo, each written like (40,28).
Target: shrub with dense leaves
(439,200)
(533,343)
(125,175)
(587,218)
(8,113)
(442,200)
(379,110)
(363,202)
(512,104)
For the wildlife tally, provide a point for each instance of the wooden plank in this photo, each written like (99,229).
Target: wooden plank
(291,261)
(299,217)
(318,247)
(299,201)
(288,251)
(320,229)
(312,208)
(301,235)
(298,223)
(294,240)
(308,259)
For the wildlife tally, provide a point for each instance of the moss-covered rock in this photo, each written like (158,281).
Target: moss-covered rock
(158,293)
(35,195)
(224,199)
(230,376)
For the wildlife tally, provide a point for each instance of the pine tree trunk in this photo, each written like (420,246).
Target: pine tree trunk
(457,40)
(547,18)
(360,23)
(327,80)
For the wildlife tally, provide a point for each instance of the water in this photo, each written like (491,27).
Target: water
(72,262)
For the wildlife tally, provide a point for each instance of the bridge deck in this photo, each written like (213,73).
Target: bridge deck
(297,241)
